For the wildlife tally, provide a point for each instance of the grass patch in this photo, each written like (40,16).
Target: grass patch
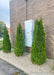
(53,66)
(1,44)
(1,41)
(1,37)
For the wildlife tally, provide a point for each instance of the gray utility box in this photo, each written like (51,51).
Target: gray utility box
(29,27)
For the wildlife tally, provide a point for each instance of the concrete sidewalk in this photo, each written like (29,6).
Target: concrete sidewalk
(24,63)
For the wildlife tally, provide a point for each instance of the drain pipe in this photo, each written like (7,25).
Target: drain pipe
(26,10)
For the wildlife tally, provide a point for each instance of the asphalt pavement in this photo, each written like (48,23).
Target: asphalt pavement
(8,69)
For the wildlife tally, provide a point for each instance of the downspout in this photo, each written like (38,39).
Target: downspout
(25,10)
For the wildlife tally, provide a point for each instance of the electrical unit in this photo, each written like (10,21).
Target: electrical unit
(29,27)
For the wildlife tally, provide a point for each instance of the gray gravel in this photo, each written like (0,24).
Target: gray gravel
(7,69)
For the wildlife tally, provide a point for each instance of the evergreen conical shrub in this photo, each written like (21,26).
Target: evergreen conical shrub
(6,41)
(38,50)
(19,47)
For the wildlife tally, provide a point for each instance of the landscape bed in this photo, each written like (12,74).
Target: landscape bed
(24,63)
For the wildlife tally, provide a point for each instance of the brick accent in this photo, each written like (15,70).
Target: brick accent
(35,9)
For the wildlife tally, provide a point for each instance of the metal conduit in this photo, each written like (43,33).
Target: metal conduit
(26,9)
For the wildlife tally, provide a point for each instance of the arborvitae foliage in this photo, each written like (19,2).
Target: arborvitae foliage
(6,41)
(19,42)
(38,50)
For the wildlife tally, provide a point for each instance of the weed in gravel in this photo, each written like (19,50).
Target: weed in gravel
(17,73)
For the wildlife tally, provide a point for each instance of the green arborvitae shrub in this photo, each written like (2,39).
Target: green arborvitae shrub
(19,42)
(38,50)
(6,41)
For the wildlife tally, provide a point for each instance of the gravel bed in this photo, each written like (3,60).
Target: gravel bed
(24,63)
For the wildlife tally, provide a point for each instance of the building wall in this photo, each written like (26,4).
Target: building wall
(35,9)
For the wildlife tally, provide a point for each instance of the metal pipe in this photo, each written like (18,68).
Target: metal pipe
(25,9)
